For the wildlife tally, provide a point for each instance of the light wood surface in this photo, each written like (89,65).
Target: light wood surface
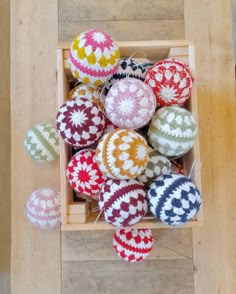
(36,266)
(5,158)
(150,277)
(209,24)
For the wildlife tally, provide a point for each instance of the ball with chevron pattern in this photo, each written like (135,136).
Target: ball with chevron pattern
(42,143)
(174,199)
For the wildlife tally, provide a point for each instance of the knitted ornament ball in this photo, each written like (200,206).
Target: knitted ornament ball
(130,103)
(133,245)
(172,131)
(123,202)
(42,143)
(83,173)
(43,208)
(127,67)
(157,165)
(122,154)
(93,57)
(174,199)
(89,92)
(80,122)
(171,81)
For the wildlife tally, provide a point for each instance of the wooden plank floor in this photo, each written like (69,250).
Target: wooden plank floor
(5,147)
(86,260)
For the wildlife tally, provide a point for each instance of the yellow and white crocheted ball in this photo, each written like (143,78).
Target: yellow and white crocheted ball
(122,154)
(93,57)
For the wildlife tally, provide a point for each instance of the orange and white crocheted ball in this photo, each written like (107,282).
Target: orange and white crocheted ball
(122,154)
(133,245)
(85,91)
(93,57)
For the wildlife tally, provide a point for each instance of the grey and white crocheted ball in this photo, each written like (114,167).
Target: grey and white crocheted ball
(174,199)
(157,166)
(127,67)
(172,131)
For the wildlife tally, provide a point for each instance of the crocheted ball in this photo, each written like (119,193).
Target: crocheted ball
(42,143)
(133,245)
(80,122)
(43,208)
(89,92)
(157,165)
(123,202)
(130,103)
(174,199)
(127,67)
(176,168)
(83,173)
(172,131)
(122,154)
(93,57)
(171,81)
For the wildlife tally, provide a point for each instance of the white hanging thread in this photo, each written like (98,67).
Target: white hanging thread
(192,168)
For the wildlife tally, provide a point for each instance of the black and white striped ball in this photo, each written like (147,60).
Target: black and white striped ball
(174,199)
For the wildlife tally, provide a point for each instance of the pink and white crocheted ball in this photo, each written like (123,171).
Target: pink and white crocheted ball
(93,57)
(80,122)
(123,202)
(130,103)
(171,82)
(83,173)
(43,208)
(133,245)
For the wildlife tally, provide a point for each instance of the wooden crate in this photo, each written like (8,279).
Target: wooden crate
(78,215)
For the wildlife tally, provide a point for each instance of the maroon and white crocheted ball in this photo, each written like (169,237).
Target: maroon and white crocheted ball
(130,104)
(80,122)
(83,173)
(123,202)
(171,82)
(133,245)
(43,208)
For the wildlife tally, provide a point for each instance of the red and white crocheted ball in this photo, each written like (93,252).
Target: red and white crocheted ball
(123,202)
(83,173)
(80,122)
(130,104)
(43,208)
(171,82)
(93,57)
(133,245)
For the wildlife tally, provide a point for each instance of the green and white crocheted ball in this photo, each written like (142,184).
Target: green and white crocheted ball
(157,165)
(172,131)
(42,143)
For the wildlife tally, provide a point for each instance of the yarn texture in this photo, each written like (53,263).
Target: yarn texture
(42,143)
(93,57)
(174,199)
(157,166)
(171,81)
(172,131)
(122,154)
(130,104)
(133,245)
(83,173)
(43,208)
(80,122)
(123,202)
(127,67)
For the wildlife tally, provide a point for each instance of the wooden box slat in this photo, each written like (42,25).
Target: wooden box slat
(78,215)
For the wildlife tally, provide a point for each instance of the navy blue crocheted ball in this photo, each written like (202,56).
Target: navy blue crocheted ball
(127,67)
(174,199)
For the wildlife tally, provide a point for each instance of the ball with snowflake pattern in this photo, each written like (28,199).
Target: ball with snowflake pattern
(80,122)
(171,82)
(83,173)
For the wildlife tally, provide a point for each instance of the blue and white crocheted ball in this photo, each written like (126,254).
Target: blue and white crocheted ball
(127,67)
(174,199)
